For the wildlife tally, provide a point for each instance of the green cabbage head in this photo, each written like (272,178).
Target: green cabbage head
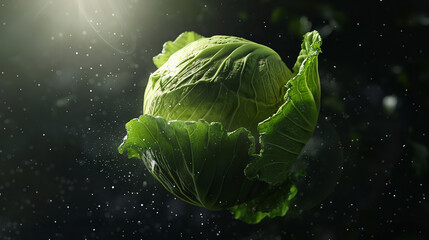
(224,120)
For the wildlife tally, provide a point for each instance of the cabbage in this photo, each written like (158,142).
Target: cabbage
(224,121)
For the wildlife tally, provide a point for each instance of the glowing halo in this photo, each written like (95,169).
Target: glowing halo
(108,20)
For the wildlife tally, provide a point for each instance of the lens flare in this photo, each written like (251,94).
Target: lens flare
(111,21)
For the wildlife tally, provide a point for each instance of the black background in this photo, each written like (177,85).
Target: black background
(66,92)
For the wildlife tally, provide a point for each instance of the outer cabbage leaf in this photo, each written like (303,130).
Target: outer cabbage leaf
(171,47)
(274,203)
(283,135)
(199,162)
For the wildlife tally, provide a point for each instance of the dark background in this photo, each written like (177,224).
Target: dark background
(72,73)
